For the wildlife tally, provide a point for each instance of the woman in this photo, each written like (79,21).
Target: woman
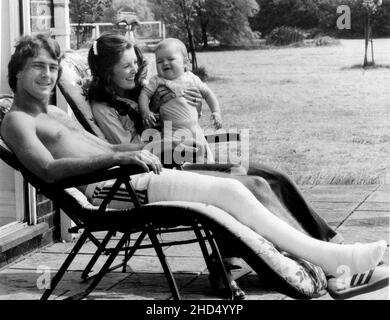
(117,66)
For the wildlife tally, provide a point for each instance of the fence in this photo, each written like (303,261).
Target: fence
(147,32)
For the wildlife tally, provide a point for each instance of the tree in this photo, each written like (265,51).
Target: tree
(179,17)
(187,10)
(294,13)
(224,20)
(86,11)
(196,20)
(371,7)
(381,23)
(142,8)
(320,15)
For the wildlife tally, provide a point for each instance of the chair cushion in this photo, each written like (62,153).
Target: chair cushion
(73,84)
(5,105)
(5,152)
(284,272)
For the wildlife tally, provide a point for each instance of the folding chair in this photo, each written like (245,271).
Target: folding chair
(147,219)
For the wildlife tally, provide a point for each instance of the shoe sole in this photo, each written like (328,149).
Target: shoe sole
(346,294)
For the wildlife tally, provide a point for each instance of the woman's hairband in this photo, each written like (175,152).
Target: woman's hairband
(95,49)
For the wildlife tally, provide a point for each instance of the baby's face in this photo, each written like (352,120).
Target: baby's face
(170,62)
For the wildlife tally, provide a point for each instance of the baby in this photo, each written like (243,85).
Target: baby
(172,61)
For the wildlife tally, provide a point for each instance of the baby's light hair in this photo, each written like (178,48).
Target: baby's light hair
(176,43)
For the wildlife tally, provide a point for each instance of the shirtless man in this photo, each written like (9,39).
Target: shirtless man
(43,137)
(48,143)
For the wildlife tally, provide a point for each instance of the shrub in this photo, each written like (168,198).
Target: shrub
(285,35)
(202,73)
(326,41)
(313,33)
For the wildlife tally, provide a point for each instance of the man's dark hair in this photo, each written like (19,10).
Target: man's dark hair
(28,47)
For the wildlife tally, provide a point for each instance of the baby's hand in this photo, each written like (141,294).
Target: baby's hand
(217,120)
(149,120)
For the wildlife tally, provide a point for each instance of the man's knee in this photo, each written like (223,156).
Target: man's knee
(230,184)
(273,176)
(257,184)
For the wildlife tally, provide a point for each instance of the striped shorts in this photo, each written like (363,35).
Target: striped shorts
(97,192)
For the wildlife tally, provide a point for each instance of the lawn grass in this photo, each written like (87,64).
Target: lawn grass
(310,111)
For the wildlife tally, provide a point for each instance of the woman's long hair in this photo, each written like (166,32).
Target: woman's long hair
(104,54)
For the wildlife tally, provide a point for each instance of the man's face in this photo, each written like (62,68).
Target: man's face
(39,76)
(170,62)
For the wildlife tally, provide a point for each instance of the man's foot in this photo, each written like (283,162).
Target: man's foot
(360,283)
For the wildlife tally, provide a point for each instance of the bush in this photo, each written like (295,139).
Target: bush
(313,33)
(202,73)
(326,41)
(285,35)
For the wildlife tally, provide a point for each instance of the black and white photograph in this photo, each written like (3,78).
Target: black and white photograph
(217,152)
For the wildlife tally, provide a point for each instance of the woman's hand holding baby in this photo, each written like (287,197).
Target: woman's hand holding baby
(193,97)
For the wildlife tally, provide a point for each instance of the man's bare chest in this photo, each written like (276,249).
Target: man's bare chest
(53,127)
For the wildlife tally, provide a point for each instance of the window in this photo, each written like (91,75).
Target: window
(41,15)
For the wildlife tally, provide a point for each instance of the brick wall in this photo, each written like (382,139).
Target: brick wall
(49,213)
(46,231)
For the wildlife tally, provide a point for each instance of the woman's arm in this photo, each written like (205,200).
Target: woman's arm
(147,116)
